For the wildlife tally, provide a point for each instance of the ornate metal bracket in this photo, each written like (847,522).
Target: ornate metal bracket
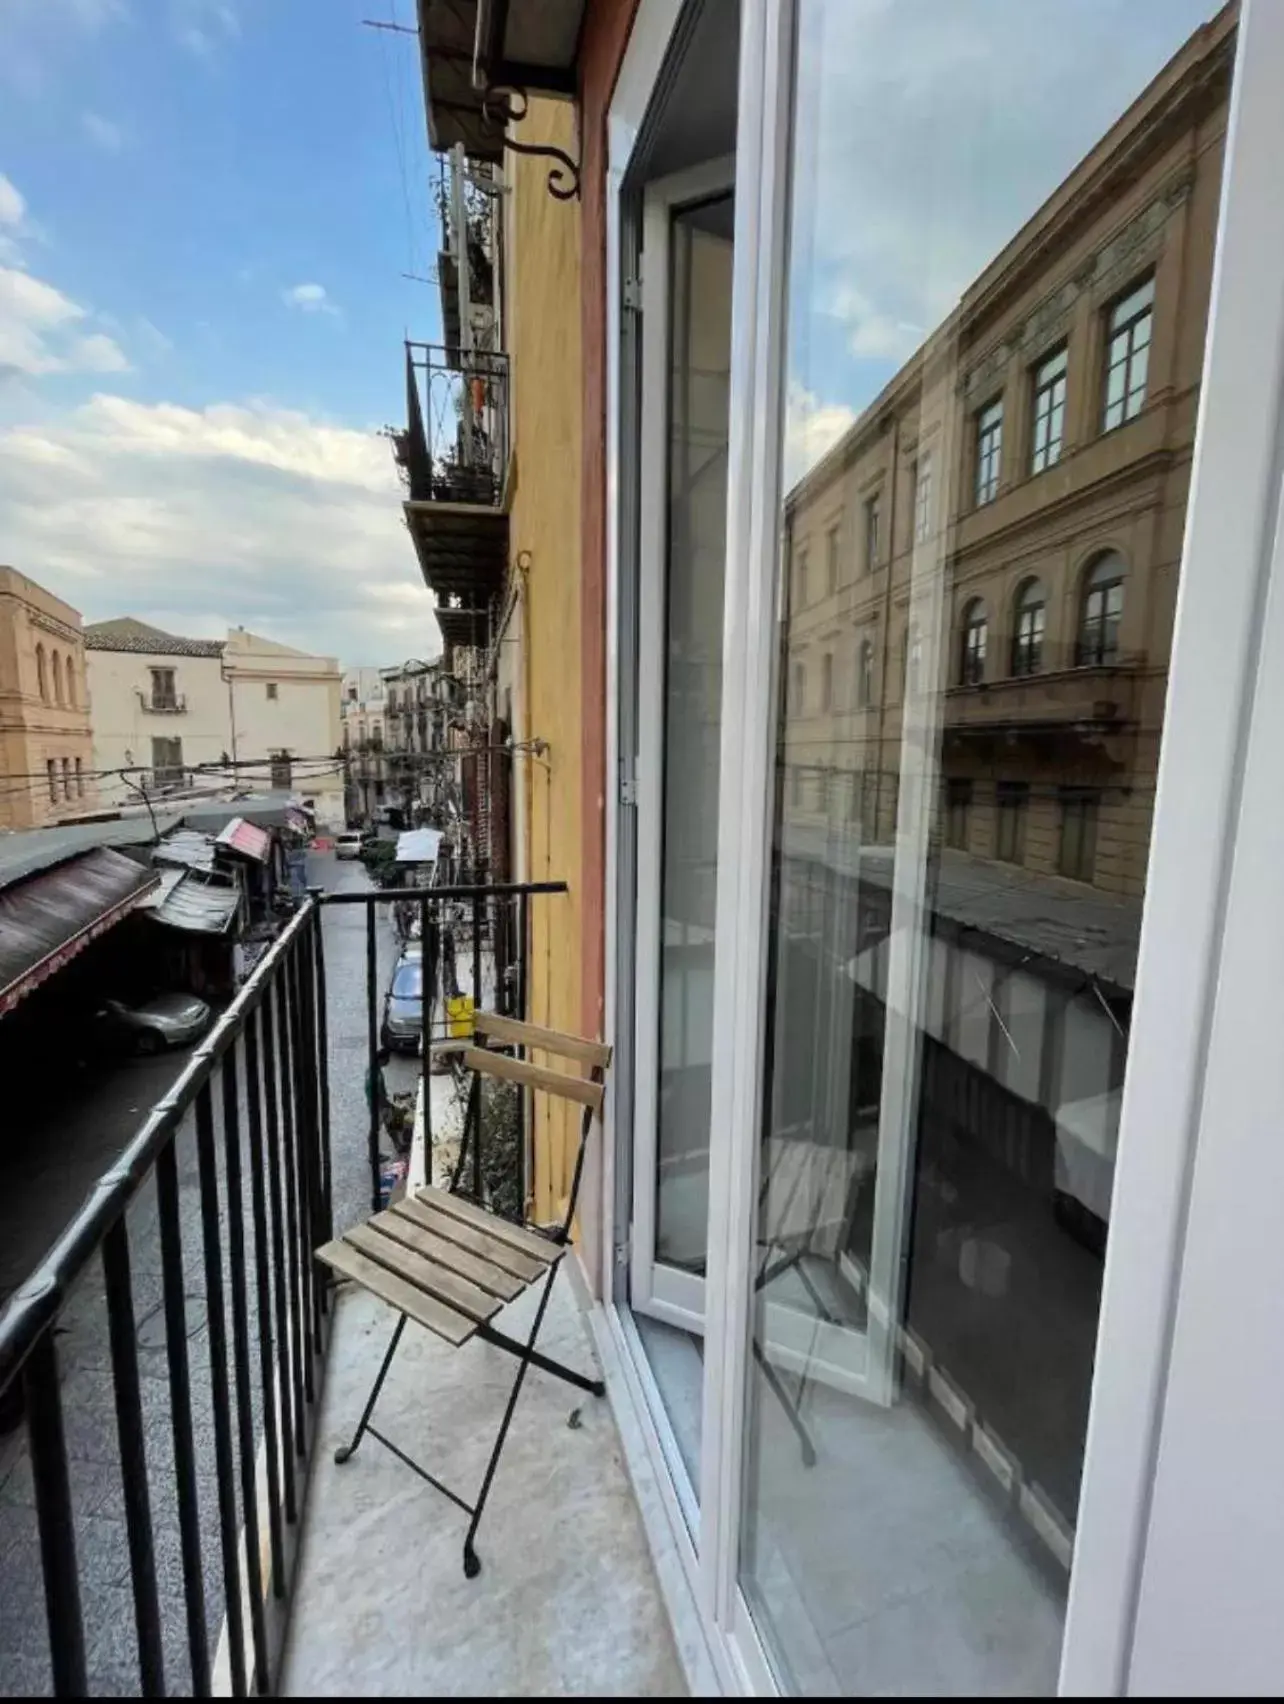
(502,106)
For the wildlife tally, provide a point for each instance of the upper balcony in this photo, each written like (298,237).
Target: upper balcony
(454,458)
(162,703)
(1085,702)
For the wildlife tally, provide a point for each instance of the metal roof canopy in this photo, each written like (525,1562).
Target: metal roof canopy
(245,838)
(195,906)
(48,919)
(468,47)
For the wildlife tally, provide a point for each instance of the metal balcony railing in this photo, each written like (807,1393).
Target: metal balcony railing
(455,446)
(207,1226)
(163,703)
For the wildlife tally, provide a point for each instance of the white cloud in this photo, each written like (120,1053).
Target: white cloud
(41,331)
(102,132)
(201,518)
(870,333)
(309,299)
(12,205)
(812,428)
(203,26)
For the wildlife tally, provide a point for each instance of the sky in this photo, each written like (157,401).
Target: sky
(928,132)
(206,209)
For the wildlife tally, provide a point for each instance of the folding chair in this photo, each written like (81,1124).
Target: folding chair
(451,1265)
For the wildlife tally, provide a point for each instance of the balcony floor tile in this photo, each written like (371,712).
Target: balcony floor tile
(567,1603)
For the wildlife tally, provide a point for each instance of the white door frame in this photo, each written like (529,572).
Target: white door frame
(1226,564)
(667,1293)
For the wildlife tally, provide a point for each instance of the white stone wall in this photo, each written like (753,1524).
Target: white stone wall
(123,728)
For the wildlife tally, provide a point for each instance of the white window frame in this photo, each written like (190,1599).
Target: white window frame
(1122,1582)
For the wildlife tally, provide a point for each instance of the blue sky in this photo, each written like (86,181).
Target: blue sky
(206,207)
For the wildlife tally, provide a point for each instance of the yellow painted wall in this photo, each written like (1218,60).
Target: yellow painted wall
(542,334)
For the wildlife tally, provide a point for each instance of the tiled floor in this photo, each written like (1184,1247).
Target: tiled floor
(567,1603)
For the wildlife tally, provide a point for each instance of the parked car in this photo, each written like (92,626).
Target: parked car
(349,842)
(167,1020)
(403,1006)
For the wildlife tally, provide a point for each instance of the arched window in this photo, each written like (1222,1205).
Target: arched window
(1029,615)
(1100,610)
(865,674)
(57,678)
(42,679)
(71,683)
(972,644)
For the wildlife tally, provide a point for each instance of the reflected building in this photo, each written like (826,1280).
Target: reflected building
(981,585)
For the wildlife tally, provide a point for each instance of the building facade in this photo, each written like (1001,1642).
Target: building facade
(46,750)
(362,735)
(870,550)
(175,715)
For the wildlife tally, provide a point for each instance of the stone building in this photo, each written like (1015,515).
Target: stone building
(46,749)
(1041,493)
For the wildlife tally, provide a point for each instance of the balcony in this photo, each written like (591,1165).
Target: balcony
(454,458)
(171,1515)
(1078,705)
(162,703)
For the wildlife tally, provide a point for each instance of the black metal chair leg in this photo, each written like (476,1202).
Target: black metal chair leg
(472,1562)
(787,1403)
(345,1450)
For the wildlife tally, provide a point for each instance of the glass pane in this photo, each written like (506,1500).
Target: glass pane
(951,965)
(700,345)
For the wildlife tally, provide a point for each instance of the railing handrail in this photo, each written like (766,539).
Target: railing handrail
(483,890)
(35,1305)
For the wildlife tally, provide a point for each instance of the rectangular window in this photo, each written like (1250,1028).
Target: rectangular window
(871,533)
(271,689)
(52,768)
(66,777)
(1127,355)
(1049,411)
(1011,801)
(922,497)
(282,772)
(989,446)
(1078,852)
(167,763)
(831,561)
(958,802)
(827,681)
(164,696)
(803,589)
(80,782)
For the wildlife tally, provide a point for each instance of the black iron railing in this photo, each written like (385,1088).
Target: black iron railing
(196,1253)
(252,1160)
(455,446)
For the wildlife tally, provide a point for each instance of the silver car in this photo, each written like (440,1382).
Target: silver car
(169,1020)
(403,1006)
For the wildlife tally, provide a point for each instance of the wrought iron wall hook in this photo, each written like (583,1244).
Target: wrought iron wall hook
(504,105)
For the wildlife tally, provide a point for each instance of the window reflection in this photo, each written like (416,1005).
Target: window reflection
(964,798)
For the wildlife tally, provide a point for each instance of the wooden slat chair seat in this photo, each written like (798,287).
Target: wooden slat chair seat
(451,1265)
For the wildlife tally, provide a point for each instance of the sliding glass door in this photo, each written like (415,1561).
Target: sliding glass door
(997,289)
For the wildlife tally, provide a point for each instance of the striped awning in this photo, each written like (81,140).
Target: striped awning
(47,919)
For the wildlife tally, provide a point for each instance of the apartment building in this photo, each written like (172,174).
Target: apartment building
(173,715)
(46,752)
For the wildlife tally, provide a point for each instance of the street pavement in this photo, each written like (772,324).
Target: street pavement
(45,1171)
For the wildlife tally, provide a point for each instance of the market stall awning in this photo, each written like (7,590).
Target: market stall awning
(187,847)
(47,919)
(199,907)
(243,837)
(418,846)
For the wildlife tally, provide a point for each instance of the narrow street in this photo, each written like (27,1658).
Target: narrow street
(67,1140)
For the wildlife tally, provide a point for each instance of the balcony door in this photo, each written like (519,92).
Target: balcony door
(686,352)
